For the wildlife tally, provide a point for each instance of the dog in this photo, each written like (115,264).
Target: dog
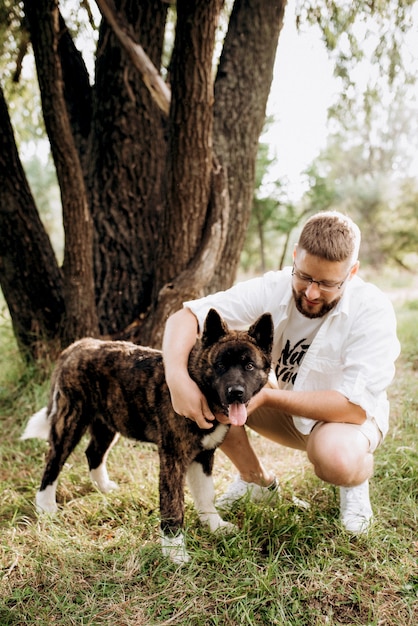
(117,387)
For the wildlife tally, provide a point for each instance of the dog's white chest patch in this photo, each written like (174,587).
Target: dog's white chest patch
(215,438)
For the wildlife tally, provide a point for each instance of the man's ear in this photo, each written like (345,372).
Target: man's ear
(354,270)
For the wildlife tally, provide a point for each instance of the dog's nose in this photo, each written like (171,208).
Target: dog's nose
(235,393)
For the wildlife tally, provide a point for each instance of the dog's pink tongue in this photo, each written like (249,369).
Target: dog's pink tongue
(237,414)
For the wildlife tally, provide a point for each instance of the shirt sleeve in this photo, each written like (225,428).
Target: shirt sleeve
(369,355)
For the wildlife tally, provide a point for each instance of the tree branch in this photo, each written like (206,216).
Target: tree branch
(159,91)
(29,275)
(80,318)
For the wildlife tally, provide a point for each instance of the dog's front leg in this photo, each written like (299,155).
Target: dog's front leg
(200,483)
(172,479)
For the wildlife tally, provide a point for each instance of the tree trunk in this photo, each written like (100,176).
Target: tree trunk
(190,283)
(239,120)
(29,275)
(127,171)
(189,156)
(80,311)
(241,91)
(169,197)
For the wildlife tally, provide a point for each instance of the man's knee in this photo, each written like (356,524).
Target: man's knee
(339,454)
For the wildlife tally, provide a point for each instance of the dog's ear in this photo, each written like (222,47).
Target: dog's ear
(262,331)
(214,328)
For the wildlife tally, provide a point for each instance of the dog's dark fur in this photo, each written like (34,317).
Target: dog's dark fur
(117,387)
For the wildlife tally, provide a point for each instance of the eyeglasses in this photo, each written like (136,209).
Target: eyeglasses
(323,285)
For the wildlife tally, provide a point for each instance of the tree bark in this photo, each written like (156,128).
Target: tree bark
(168,199)
(77,92)
(29,275)
(80,311)
(127,170)
(190,283)
(189,155)
(241,91)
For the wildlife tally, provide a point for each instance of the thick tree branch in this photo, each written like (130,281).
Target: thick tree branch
(240,112)
(127,161)
(80,318)
(29,275)
(77,90)
(188,180)
(159,91)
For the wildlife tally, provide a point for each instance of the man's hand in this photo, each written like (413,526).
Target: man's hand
(256,401)
(186,397)
(188,400)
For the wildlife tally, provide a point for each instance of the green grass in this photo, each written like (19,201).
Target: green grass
(98,562)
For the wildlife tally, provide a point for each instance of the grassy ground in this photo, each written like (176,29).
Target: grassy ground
(98,562)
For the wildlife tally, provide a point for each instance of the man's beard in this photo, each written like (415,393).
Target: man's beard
(325,308)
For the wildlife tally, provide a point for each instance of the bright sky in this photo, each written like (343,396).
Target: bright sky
(303,88)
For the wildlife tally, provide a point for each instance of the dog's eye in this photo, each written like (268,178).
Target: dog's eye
(249,366)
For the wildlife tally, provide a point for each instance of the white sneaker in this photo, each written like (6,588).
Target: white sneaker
(355,508)
(241,489)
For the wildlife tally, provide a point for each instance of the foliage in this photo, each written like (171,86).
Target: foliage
(43,181)
(401,241)
(99,561)
(366,34)
(368,168)
(264,215)
(408,332)
(12,38)
(361,178)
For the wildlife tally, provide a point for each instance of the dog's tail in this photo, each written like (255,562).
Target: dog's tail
(38,426)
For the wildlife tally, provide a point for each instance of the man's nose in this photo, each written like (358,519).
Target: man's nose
(312,290)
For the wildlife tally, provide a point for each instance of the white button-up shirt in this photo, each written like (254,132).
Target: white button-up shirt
(353,352)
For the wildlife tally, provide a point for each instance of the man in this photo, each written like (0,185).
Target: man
(334,350)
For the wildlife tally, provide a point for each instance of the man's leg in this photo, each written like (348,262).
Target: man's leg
(253,478)
(269,423)
(239,450)
(340,454)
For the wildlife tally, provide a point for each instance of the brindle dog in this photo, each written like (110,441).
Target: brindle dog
(112,387)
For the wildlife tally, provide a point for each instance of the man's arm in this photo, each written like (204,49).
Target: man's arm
(325,406)
(179,338)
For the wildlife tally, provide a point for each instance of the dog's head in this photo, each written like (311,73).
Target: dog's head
(231,366)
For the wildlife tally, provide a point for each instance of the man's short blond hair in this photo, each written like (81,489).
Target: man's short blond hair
(332,236)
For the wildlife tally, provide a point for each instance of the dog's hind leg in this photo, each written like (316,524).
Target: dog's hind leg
(46,499)
(102,440)
(200,482)
(66,431)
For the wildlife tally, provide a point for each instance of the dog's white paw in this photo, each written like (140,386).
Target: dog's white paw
(107,487)
(226,528)
(216,523)
(45,501)
(174,548)
(100,478)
